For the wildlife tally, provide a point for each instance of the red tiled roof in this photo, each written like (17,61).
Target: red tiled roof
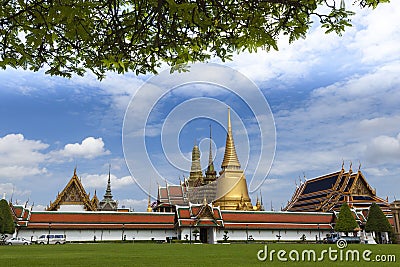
(276,217)
(101,220)
(276,226)
(163,193)
(276,220)
(175,191)
(199,215)
(18,211)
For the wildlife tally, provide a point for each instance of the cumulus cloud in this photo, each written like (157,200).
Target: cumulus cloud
(89,148)
(134,204)
(15,149)
(384,149)
(378,37)
(20,157)
(99,181)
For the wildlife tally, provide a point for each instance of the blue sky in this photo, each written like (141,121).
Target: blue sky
(333,98)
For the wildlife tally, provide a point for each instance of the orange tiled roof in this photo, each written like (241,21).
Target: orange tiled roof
(105,220)
(276,220)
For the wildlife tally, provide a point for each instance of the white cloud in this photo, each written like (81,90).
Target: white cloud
(384,149)
(20,157)
(99,181)
(89,148)
(15,172)
(134,204)
(12,191)
(15,149)
(378,38)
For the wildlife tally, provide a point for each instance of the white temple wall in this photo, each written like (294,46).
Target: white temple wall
(73,235)
(257,235)
(285,235)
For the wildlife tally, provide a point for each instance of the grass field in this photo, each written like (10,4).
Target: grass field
(141,254)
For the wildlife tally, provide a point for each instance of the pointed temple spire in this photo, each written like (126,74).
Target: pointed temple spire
(195,159)
(230,157)
(196,175)
(108,190)
(210,156)
(108,203)
(211,174)
(232,192)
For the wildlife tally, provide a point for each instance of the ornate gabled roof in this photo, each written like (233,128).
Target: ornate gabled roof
(329,192)
(20,214)
(199,215)
(73,194)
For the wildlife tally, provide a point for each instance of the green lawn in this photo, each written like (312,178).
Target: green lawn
(141,254)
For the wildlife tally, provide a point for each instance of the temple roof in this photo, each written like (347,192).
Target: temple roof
(73,194)
(172,194)
(276,220)
(197,215)
(101,220)
(330,191)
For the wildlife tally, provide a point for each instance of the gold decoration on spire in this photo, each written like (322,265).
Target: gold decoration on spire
(232,192)
(230,157)
(196,175)
(149,209)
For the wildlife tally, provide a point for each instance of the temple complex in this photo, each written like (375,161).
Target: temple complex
(228,191)
(207,208)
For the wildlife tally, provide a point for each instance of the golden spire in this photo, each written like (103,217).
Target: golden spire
(196,175)
(149,209)
(196,167)
(230,157)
